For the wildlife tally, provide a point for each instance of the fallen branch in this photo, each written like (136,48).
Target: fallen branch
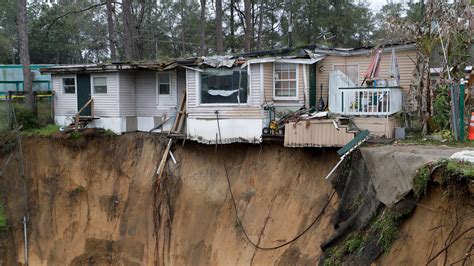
(51,24)
(450,244)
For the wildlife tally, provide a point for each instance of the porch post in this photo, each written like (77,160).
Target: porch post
(461,111)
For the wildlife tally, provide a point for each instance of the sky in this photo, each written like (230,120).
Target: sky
(375,5)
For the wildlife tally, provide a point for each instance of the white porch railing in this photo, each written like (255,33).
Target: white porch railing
(368,101)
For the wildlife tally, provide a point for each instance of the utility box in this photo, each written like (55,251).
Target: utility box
(399,133)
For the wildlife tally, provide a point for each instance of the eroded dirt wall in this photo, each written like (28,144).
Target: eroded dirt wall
(94,204)
(278,191)
(91,203)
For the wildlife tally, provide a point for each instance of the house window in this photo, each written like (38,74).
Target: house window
(69,85)
(100,84)
(285,80)
(164,81)
(351,71)
(224,85)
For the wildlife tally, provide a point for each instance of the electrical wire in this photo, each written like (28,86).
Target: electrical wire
(239,221)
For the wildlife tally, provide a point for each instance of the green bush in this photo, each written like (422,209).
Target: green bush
(441,108)
(25,117)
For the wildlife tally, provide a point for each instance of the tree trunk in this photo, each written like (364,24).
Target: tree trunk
(232,27)
(248,25)
(202,48)
(219,34)
(260,26)
(110,28)
(129,30)
(25,56)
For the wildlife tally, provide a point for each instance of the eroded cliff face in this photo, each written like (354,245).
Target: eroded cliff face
(94,201)
(90,202)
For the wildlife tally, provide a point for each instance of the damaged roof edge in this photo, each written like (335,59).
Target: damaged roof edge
(309,54)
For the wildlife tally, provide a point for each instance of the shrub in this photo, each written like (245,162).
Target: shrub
(25,117)
(441,107)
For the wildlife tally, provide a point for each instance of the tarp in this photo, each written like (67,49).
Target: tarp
(393,168)
(394,71)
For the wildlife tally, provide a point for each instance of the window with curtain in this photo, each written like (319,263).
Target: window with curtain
(100,84)
(224,85)
(285,80)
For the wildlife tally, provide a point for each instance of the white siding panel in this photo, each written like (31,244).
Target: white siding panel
(255,85)
(146,93)
(232,130)
(64,104)
(106,104)
(127,94)
(191,87)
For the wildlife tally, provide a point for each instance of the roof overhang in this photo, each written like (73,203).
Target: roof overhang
(95,68)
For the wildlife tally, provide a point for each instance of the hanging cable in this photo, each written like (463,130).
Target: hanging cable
(26,217)
(239,221)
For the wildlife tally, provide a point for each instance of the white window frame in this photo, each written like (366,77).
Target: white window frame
(75,84)
(158,84)
(93,92)
(345,68)
(290,98)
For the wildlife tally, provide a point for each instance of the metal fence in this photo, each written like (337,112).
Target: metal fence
(13,105)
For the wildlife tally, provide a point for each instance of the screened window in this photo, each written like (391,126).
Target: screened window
(164,81)
(100,84)
(351,71)
(69,85)
(223,85)
(285,80)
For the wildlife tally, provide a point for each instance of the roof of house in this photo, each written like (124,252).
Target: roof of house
(309,54)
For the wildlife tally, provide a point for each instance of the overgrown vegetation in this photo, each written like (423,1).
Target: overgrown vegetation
(420,182)
(351,244)
(387,228)
(441,108)
(457,177)
(47,131)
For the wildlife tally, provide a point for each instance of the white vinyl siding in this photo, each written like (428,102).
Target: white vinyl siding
(106,104)
(145,84)
(127,94)
(65,104)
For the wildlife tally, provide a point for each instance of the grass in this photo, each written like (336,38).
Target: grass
(353,243)
(418,139)
(46,131)
(3,218)
(387,227)
(420,182)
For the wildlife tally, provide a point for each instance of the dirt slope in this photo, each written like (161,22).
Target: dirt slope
(437,221)
(94,204)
